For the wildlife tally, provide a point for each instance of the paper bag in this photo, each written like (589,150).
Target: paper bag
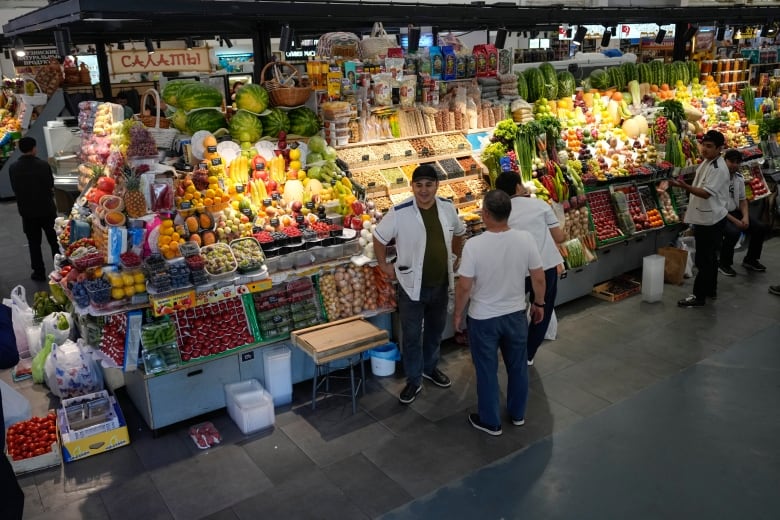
(674,266)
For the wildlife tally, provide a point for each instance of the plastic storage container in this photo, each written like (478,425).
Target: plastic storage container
(277,372)
(249,405)
(653,278)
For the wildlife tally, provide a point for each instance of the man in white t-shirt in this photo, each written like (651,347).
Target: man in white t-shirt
(738,221)
(492,281)
(538,218)
(707,213)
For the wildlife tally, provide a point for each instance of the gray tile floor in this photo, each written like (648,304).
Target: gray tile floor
(630,394)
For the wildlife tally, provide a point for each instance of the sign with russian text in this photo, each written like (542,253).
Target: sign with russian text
(162,60)
(33,59)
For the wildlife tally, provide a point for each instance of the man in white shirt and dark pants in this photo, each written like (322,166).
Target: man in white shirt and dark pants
(738,221)
(707,213)
(491,279)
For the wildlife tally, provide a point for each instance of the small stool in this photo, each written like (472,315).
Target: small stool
(342,340)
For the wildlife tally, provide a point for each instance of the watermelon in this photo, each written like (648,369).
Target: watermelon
(670,76)
(693,70)
(535,80)
(680,70)
(252,97)
(599,79)
(658,74)
(304,122)
(566,84)
(171,91)
(245,127)
(550,80)
(616,78)
(275,122)
(629,72)
(198,95)
(179,120)
(210,119)
(644,75)
(522,86)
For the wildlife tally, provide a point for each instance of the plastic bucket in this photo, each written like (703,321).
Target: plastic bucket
(383,359)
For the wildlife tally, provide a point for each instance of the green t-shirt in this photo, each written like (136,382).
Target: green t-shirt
(435,262)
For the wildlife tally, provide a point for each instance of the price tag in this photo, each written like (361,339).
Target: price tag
(216,161)
(365,158)
(185,204)
(267,202)
(399,180)
(211,149)
(239,188)
(472,169)
(407,153)
(461,146)
(371,184)
(277,319)
(425,152)
(386,157)
(247,212)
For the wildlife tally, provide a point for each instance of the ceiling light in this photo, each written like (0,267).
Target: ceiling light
(19,47)
(582,31)
(61,42)
(501,38)
(149,45)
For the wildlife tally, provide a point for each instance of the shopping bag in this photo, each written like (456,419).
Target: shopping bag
(22,316)
(674,266)
(71,371)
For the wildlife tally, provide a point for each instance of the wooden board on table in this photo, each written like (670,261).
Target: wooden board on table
(329,341)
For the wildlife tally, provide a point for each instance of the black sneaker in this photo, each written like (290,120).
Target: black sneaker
(691,301)
(438,378)
(753,265)
(727,270)
(774,289)
(38,277)
(479,425)
(409,393)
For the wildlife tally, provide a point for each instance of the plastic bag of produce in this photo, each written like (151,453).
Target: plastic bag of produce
(58,324)
(34,339)
(40,359)
(22,317)
(71,371)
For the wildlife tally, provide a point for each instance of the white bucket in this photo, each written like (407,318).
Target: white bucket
(380,366)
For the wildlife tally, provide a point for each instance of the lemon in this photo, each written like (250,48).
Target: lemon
(129,290)
(115,279)
(295,154)
(117,293)
(139,288)
(127,279)
(138,277)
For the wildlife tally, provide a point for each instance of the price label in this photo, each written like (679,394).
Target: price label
(461,146)
(408,153)
(239,188)
(425,152)
(386,157)
(216,161)
(267,202)
(211,149)
(247,212)
(185,204)
(277,319)
(473,168)
(399,180)
(371,184)
(365,158)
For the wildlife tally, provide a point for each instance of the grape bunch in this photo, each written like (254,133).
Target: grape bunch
(141,142)
(659,130)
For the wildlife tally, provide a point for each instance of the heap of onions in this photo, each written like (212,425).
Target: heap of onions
(348,291)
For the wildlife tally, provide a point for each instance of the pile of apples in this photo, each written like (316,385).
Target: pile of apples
(603,214)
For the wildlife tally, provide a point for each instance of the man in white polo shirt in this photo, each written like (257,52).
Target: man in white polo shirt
(707,213)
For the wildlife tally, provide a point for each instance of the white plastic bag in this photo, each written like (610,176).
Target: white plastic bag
(34,339)
(22,316)
(552,328)
(51,325)
(71,371)
(16,408)
(688,244)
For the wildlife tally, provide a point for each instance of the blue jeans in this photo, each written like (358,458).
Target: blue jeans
(422,323)
(509,333)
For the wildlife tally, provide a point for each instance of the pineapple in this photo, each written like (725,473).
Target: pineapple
(135,202)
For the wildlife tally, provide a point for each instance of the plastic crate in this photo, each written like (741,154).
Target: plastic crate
(249,405)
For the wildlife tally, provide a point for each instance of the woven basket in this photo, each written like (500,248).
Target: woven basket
(158,126)
(344,44)
(281,88)
(377,44)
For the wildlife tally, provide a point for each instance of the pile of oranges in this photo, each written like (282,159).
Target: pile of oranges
(213,198)
(169,240)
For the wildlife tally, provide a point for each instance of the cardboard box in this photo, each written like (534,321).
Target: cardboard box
(75,449)
(338,339)
(47,460)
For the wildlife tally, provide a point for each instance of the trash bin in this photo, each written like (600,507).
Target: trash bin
(383,359)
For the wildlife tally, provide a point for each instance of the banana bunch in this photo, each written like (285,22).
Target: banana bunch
(43,305)
(256,192)
(277,169)
(238,171)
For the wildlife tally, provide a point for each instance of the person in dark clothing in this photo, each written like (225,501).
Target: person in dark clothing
(33,184)
(11,495)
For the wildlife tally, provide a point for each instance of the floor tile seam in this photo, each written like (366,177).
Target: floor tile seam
(575,412)
(343,491)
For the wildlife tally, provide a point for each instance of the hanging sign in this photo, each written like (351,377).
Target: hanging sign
(33,59)
(162,60)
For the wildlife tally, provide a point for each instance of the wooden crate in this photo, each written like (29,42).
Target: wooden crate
(339,339)
(617,289)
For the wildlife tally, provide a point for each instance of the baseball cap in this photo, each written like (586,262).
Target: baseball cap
(714,137)
(424,171)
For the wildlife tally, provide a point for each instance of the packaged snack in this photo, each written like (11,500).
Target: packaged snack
(437,62)
(450,63)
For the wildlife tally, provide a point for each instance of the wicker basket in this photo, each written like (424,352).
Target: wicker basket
(281,88)
(377,44)
(158,126)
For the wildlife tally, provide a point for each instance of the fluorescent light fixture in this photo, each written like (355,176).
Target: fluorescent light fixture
(149,45)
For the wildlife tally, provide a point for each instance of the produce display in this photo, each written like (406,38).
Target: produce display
(211,329)
(32,438)
(603,217)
